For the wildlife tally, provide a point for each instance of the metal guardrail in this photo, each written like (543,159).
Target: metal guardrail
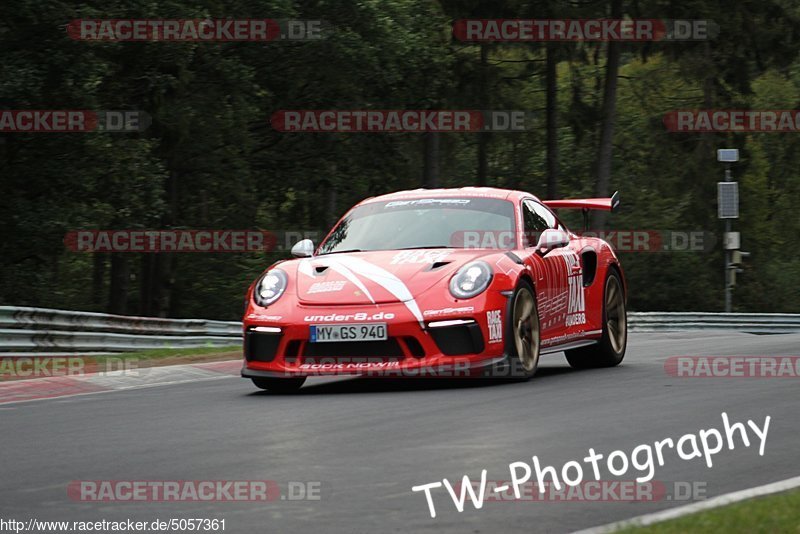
(753,323)
(41,330)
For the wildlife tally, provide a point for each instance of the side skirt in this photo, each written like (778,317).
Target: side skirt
(570,345)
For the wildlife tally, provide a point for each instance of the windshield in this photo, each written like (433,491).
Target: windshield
(419,223)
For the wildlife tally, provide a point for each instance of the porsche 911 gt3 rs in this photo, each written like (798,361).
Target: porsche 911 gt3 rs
(439,281)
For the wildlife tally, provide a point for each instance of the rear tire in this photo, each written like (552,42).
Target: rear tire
(611,348)
(280,385)
(523,344)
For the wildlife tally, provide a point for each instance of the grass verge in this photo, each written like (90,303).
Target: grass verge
(158,357)
(779,513)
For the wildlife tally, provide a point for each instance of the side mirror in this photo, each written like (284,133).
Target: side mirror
(303,249)
(551,239)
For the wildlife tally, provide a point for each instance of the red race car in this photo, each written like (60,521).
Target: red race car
(442,282)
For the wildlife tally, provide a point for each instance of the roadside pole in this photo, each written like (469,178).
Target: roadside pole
(727,209)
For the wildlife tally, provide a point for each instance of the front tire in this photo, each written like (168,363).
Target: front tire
(611,348)
(280,385)
(524,342)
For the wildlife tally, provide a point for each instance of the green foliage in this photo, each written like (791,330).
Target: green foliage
(210,159)
(762,515)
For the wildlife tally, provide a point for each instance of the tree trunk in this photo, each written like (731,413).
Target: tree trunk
(517,165)
(552,121)
(329,191)
(162,265)
(483,158)
(145,284)
(483,137)
(706,146)
(605,146)
(331,215)
(120,280)
(98,279)
(430,169)
(148,284)
(166,272)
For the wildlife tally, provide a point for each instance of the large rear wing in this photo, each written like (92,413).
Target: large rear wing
(604,204)
(585,205)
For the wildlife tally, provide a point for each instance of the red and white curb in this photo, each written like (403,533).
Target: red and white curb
(69,386)
(680,511)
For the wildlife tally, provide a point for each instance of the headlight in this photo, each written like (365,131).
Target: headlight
(270,287)
(471,280)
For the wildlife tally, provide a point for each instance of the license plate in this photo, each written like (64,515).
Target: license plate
(329,333)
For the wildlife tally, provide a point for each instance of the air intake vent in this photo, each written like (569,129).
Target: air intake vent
(438,265)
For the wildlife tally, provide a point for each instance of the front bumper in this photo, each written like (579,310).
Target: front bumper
(443,345)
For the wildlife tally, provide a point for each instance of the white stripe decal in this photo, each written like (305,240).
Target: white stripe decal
(387,280)
(306,268)
(347,273)
(383,278)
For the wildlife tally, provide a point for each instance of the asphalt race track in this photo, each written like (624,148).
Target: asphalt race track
(368,441)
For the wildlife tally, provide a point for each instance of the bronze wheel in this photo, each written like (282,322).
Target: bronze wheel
(610,348)
(523,343)
(616,317)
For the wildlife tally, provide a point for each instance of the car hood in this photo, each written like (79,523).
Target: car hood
(376,277)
